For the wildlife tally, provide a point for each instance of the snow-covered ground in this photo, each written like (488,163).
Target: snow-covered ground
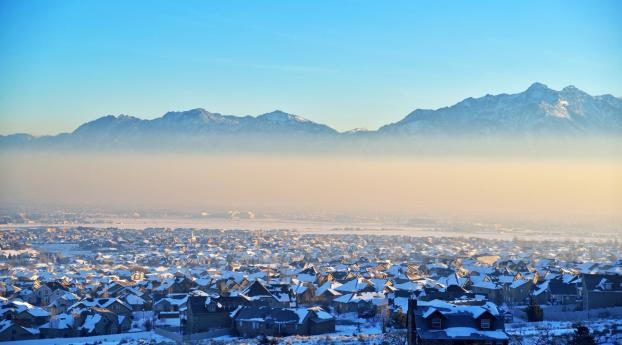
(607,332)
(125,338)
(546,332)
(363,227)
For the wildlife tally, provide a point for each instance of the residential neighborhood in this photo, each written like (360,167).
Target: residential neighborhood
(200,284)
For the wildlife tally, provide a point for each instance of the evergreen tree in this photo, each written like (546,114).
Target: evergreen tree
(582,336)
(534,311)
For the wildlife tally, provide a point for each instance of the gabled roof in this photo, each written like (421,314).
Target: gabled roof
(460,320)
(603,282)
(257,289)
(98,303)
(328,287)
(279,315)
(310,270)
(475,308)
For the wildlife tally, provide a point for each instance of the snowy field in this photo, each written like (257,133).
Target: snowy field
(123,338)
(607,332)
(331,227)
(344,335)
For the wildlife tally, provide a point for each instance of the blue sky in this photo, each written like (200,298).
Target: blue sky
(344,63)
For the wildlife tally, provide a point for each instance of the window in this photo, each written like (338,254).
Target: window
(437,323)
(485,323)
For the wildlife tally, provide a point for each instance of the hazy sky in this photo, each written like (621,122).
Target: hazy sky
(344,63)
(517,189)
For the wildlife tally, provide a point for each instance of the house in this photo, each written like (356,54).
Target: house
(177,284)
(283,293)
(565,291)
(10,331)
(99,321)
(308,275)
(274,321)
(541,293)
(491,290)
(48,292)
(341,276)
(462,322)
(260,295)
(172,302)
(31,317)
(23,313)
(326,293)
(451,292)
(517,292)
(135,302)
(59,326)
(305,294)
(113,304)
(63,303)
(205,313)
(356,285)
(363,303)
(602,291)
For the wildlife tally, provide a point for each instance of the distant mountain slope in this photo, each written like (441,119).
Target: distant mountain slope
(538,110)
(201,122)
(185,129)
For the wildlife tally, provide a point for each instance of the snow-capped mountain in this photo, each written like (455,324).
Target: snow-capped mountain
(186,128)
(538,110)
(202,122)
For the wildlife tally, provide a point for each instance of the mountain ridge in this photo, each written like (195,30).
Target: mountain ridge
(537,111)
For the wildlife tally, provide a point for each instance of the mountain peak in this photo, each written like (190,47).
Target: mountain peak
(535,111)
(572,90)
(281,116)
(188,113)
(196,115)
(537,87)
(108,121)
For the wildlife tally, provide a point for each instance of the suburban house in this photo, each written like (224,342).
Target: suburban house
(99,321)
(270,295)
(177,284)
(602,291)
(492,290)
(63,303)
(10,331)
(172,302)
(363,303)
(460,322)
(565,291)
(48,292)
(113,304)
(205,313)
(24,314)
(517,292)
(59,326)
(250,322)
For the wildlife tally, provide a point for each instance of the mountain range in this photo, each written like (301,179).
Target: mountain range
(537,111)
